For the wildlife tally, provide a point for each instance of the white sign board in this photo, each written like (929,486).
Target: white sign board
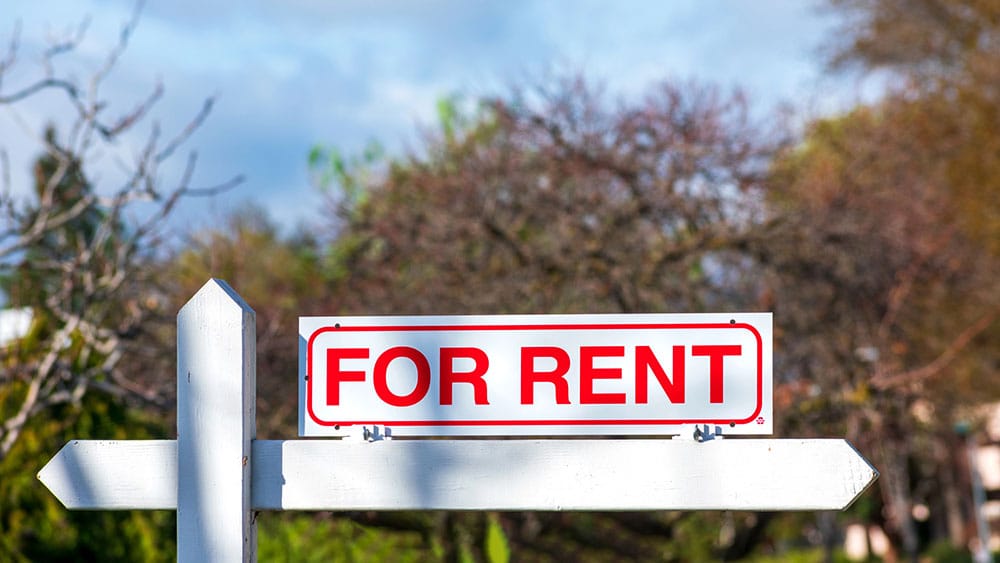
(648,374)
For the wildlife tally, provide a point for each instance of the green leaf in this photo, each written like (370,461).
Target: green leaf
(497,549)
(315,155)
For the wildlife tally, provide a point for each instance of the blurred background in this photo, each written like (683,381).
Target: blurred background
(837,163)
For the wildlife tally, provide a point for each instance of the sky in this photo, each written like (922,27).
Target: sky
(293,74)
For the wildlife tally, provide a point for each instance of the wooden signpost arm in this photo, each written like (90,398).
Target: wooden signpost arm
(640,474)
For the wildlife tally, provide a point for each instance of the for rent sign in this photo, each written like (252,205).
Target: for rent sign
(535,375)
(462,375)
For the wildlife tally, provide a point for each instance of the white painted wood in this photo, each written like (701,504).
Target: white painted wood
(114,475)
(736,474)
(216,391)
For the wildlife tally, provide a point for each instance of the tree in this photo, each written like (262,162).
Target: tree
(945,54)
(78,250)
(933,43)
(72,255)
(886,301)
(902,198)
(885,250)
(552,202)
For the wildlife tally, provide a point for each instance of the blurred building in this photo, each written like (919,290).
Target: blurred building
(14,323)
(988,465)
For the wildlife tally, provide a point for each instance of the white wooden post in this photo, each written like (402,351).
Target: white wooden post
(216,392)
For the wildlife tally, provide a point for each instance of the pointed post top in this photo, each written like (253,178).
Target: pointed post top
(218,291)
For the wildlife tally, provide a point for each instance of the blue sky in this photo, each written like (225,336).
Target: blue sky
(292,74)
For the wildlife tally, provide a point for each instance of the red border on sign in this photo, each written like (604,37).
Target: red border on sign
(547,327)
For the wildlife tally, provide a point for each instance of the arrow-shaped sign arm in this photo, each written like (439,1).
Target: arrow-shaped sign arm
(114,475)
(731,474)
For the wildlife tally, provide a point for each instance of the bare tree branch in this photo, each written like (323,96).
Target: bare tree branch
(934,368)
(75,256)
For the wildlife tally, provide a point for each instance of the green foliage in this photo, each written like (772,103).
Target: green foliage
(695,538)
(461,121)
(811,555)
(324,538)
(944,552)
(34,526)
(497,550)
(448,116)
(351,175)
